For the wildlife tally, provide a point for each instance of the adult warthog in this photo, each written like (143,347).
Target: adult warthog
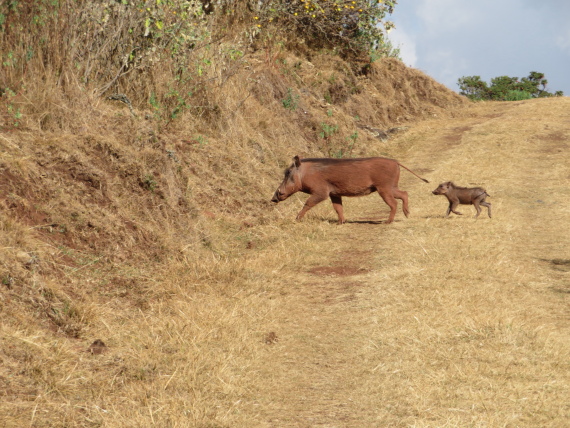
(334,178)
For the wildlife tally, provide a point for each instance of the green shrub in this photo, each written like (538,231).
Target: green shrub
(291,100)
(505,88)
(514,95)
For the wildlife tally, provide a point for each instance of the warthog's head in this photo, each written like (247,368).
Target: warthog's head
(443,188)
(291,182)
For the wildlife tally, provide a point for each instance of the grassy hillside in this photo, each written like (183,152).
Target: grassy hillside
(134,210)
(108,184)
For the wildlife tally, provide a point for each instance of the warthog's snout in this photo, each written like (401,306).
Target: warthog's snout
(441,189)
(279,196)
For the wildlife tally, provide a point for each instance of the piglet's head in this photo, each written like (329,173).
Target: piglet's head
(443,188)
(291,182)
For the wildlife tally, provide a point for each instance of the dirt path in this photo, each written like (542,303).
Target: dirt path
(432,321)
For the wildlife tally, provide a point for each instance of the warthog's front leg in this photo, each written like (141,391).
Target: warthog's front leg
(310,203)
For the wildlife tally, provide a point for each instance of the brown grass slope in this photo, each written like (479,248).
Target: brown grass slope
(217,309)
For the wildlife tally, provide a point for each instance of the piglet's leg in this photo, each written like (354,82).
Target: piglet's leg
(337,205)
(448,209)
(453,205)
(310,203)
(477,207)
(488,205)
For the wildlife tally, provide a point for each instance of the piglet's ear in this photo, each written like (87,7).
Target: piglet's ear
(297,161)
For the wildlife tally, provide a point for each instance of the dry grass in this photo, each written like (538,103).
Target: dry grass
(218,310)
(455,322)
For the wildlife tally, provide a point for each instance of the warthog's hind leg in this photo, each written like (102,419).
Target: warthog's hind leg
(337,205)
(391,202)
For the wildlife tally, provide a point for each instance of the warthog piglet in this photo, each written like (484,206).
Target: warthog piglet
(463,195)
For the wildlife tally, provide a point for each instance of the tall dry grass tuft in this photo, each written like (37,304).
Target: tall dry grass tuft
(60,59)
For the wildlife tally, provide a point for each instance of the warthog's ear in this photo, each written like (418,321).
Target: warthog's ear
(297,161)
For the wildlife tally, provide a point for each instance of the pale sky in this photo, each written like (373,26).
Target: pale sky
(449,39)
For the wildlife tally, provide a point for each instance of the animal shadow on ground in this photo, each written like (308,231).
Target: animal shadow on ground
(558,264)
(359,221)
(369,221)
(332,221)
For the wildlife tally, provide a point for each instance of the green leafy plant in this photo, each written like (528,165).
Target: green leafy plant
(346,150)
(149,182)
(327,131)
(352,139)
(14,112)
(202,141)
(326,134)
(291,100)
(7,281)
(155,103)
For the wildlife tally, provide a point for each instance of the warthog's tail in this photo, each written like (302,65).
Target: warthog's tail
(423,179)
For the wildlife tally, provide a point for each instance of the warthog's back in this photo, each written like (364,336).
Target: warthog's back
(378,170)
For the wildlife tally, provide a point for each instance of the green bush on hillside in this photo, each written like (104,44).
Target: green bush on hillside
(514,95)
(505,88)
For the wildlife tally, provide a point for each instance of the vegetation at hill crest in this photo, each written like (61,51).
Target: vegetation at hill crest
(505,88)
